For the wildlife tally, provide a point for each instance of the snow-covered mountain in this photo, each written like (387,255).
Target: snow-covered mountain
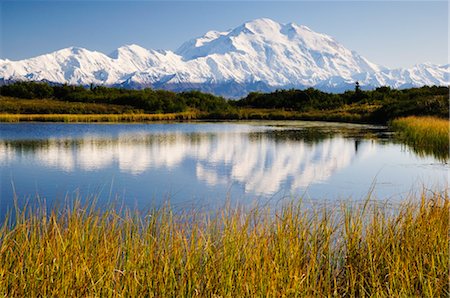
(258,55)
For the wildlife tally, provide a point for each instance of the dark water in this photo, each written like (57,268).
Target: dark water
(208,163)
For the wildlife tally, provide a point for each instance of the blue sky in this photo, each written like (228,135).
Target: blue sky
(394,34)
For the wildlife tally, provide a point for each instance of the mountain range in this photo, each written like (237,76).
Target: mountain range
(260,55)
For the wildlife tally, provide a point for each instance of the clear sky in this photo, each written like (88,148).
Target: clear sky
(394,34)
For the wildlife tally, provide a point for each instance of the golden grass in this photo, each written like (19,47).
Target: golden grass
(96,117)
(428,134)
(351,250)
(349,113)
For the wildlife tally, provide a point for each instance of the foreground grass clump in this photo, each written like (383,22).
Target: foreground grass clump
(351,250)
(427,134)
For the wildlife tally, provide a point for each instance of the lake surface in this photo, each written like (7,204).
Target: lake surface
(205,164)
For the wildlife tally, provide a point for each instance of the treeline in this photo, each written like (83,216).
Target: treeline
(384,103)
(377,106)
(148,100)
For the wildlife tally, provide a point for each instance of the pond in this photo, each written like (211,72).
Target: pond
(207,164)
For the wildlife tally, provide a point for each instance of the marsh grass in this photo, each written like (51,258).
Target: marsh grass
(429,135)
(241,114)
(97,117)
(359,250)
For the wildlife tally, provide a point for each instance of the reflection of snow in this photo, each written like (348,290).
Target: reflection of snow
(57,157)
(208,175)
(6,153)
(91,156)
(261,165)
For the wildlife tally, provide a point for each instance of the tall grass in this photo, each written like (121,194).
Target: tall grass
(351,250)
(426,134)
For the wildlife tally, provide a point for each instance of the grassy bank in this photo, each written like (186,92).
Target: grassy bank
(425,134)
(244,114)
(86,118)
(12,105)
(351,250)
(349,114)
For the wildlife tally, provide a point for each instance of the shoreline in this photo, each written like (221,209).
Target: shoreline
(254,114)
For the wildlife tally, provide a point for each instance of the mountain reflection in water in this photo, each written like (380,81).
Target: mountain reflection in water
(261,160)
(206,165)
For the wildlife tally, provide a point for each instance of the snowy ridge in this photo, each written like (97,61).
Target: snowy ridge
(257,55)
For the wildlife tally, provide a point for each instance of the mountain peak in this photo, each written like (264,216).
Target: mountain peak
(268,26)
(262,22)
(71,50)
(262,25)
(130,49)
(133,47)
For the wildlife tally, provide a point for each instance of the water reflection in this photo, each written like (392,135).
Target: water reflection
(423,151)
(262,160)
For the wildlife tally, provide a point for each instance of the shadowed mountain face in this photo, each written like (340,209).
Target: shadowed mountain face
(260,55)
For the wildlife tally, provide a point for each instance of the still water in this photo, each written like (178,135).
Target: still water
(203,163)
